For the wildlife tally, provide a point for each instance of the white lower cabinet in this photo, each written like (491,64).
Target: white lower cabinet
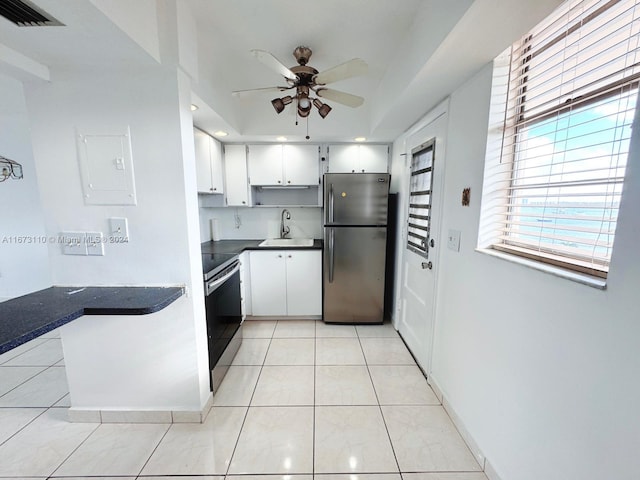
(286,283)
(245,284)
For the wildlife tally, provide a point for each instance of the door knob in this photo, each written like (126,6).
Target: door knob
(428,265)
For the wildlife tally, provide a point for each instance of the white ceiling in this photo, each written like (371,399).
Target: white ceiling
(418,52)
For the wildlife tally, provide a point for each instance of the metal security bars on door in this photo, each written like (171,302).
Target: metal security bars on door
(420,190)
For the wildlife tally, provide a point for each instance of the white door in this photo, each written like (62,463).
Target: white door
(422,238)
(301,164)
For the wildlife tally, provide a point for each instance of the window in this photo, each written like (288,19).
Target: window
(563,102)
(420,187)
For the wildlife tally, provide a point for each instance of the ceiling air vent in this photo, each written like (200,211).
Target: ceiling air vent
(25,14)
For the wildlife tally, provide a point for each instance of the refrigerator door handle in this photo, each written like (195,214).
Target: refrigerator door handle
(332,238)
(331,201)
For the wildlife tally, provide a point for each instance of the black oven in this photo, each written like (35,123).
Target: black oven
(224,318)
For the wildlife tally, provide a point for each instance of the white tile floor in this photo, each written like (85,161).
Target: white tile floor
(302,399)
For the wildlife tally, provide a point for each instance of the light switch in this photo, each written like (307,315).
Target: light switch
(95,243)
(453,240)
(73,243)
(119,228)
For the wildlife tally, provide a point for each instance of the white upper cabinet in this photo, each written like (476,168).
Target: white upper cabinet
(208,163)
(284,165)
(361,158)
(265,164)
(301,164)
(235,174)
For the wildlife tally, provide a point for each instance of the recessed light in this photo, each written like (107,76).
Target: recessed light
(360,139)
(194,107)
(220,133)
(281,139)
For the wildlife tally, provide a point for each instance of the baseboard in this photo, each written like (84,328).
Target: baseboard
(457,421)
(490,472)
(280,317)
(84,415)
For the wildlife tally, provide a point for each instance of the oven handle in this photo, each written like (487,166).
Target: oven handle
(214,283)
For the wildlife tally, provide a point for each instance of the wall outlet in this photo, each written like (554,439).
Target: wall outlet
(95,243)
(453,240)
(73,243)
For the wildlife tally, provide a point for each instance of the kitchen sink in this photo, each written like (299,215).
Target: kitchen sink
(287,242)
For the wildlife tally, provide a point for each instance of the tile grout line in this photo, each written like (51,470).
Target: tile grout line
(26,424)
(375,391)
(155,448)
(313,429)
(79,445)
(27,350)
(44,369)
(246,414)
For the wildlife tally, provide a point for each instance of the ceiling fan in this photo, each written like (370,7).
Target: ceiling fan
(307,81)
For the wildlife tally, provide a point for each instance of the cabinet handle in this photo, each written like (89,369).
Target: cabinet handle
(363,170)
(243,202)
(279,181)
(211,189)
(289,256)
(279,256)
(288,181)
(215,189)
(353,171)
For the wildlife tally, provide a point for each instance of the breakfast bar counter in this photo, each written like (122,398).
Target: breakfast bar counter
(29,316)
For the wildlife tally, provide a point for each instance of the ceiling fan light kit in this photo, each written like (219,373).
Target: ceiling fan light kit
(306,80)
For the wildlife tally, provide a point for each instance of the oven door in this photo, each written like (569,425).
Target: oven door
(224,316)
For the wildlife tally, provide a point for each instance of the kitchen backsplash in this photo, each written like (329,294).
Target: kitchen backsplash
(259,223)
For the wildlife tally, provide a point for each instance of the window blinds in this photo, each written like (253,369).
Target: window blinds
(571,98)
(420,190)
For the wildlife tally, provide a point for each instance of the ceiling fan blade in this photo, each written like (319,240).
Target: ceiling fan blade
(340,97)
(274,64)
(345,70)
(240,93)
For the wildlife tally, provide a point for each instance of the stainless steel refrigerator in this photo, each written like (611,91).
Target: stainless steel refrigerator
(355,237)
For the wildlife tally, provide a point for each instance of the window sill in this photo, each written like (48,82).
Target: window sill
(599,283)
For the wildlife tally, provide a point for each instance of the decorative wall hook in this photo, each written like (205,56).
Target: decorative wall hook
(9,169)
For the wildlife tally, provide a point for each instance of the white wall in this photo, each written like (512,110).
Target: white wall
(542,371)
(163,226)
(259,223)
(24,267)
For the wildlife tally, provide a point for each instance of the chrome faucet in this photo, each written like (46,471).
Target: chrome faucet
(284,229)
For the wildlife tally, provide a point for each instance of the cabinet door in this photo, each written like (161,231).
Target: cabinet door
(204,177)
(301,164)
(268,283)
(235,173)
(343,158)
(216,166)
(265,164)
(304,282)
(373,158)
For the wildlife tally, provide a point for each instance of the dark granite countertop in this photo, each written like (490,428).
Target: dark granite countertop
(27,317)
(239,246)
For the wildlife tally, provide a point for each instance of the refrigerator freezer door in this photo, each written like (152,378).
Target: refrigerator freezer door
(354,262)
(356,198)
